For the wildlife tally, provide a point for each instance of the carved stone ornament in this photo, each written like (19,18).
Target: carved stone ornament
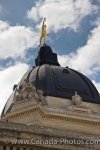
(76,99)
(28,91)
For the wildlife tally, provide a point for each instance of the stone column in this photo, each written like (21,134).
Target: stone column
(1,147)
(14,148)
(7,147)
(27,149)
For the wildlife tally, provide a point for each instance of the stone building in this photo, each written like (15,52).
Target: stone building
(51,108)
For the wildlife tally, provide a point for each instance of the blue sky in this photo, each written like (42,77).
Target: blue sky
(74,29)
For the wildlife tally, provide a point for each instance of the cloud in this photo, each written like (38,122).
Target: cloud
(16,40)
(62,14)
(87,58)
(8,77)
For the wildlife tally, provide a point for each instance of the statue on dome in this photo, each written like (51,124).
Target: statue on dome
(76,99)
(44,33)
(28,91)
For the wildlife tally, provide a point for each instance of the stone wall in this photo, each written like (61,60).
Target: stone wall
(12,136)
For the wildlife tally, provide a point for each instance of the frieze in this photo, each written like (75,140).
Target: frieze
(19,128)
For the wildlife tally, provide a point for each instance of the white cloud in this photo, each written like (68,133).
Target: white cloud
(9,77)
(87,58)
(15,40)
(62,14)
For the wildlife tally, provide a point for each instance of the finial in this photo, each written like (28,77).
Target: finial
(43,32)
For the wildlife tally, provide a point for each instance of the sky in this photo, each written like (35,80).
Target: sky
(74,34)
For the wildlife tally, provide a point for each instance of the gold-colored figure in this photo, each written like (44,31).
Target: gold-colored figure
(43,32)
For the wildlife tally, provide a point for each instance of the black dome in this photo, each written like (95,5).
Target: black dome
(58,81)
(62,82)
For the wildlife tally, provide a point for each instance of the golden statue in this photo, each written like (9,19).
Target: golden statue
(43,32)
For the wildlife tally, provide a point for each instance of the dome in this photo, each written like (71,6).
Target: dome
(57,81)
(62,82)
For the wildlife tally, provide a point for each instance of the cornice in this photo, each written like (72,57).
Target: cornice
(49,115)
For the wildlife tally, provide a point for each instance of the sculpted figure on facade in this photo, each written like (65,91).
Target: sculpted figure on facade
(28,91)
(76,99)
